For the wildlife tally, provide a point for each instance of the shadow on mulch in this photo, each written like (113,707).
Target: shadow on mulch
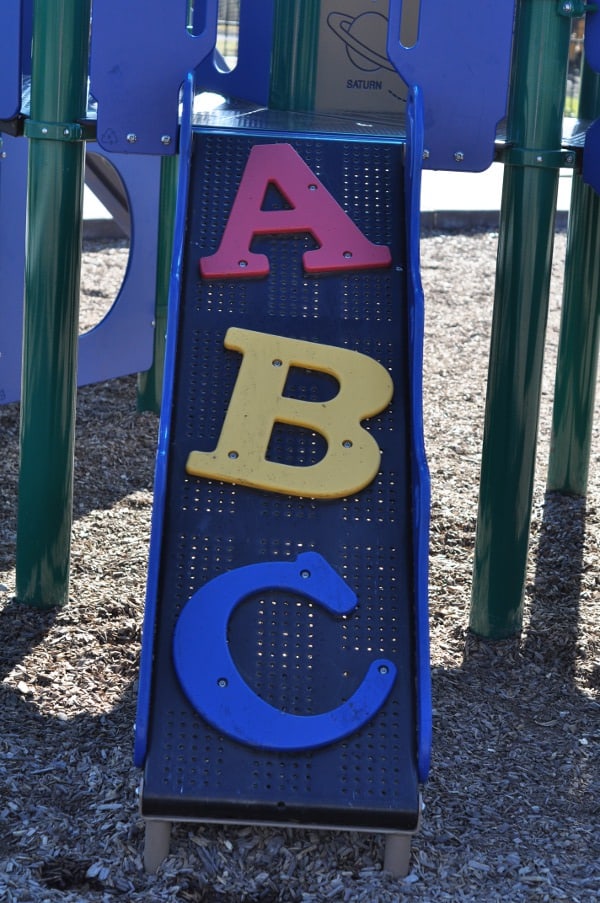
(554,627)
(552,638)
(115,449)
(37,756)
(22,629)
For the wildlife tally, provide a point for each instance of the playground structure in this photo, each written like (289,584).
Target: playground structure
(460,118)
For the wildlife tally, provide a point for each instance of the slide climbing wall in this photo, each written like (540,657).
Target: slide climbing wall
(285,675)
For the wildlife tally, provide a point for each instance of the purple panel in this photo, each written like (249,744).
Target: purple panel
(591,153)
(26,35)
(461,62)
(592,40)
(123,342)
(13,192)
(591,156)
(141,52)
(10,58)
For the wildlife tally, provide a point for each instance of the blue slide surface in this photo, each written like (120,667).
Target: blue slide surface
(285,674)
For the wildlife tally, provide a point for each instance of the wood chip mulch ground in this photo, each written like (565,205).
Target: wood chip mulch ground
(512,809)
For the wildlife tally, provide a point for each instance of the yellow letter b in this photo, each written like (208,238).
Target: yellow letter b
(257,403)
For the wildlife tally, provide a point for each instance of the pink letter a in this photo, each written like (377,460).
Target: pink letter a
(342,246)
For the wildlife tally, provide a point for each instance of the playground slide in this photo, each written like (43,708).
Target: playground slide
(285,670)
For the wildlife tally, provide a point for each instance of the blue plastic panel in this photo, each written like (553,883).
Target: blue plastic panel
(250,77)
(421,489)
(591,154)
(26,36)
(461,62)
(123,341)
(10,58)
(592,40)
(142,720)
(141,52)
(13,192)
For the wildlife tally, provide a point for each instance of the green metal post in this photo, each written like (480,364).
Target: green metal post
(520,312)
(53,262)
(294,56)
(574,392)
(150,382)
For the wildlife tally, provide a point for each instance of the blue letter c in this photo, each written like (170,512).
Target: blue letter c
(216,688)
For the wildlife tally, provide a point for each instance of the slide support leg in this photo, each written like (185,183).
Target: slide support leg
(156,843)
(397,854)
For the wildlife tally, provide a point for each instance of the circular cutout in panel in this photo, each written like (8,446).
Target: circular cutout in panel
(105,255)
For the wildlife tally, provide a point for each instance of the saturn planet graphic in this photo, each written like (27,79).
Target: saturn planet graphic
(365,37)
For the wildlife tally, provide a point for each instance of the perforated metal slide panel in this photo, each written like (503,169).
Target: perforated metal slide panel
(294,656)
